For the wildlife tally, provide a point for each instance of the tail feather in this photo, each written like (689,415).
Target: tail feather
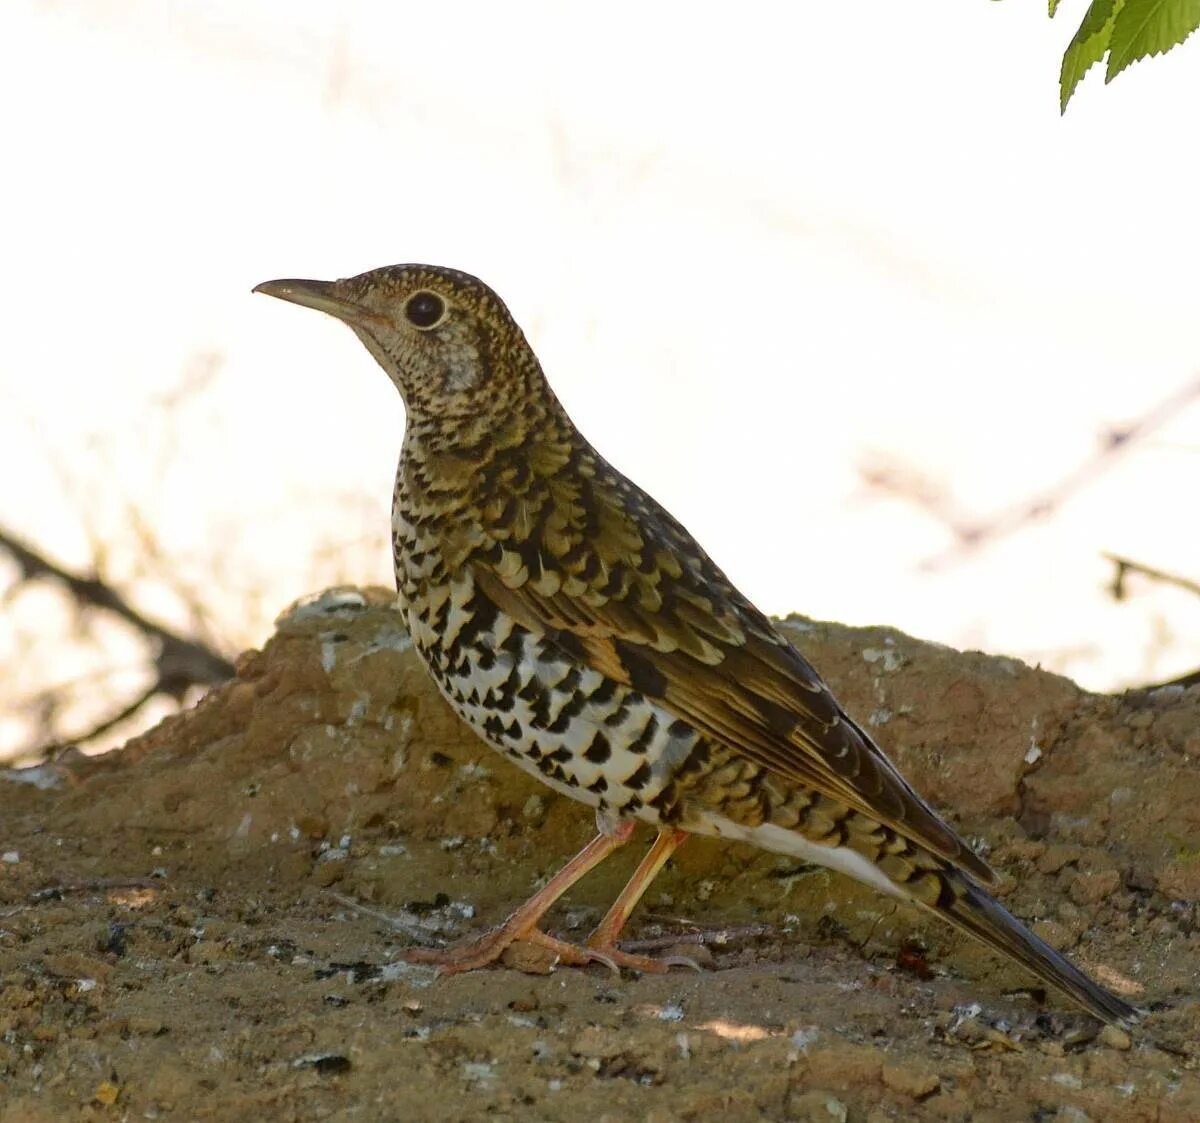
(878,857)
(971,909)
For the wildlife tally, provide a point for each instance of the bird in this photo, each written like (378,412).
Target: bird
(582,632)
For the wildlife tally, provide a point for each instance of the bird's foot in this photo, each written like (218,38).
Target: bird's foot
(648,964)
(524,947)
(492,946)
(611,956)
(470,955)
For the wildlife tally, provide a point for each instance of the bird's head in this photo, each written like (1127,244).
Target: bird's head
(443,337)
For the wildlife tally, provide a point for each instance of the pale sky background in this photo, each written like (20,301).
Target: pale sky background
(756,247)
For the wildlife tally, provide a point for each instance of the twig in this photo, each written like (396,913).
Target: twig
(94,884)
(707,936)
(421,929)
(52,748)
(971,534)
(179,663)
(1126,566)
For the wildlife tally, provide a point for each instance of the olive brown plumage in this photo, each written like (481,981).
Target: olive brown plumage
(583,633)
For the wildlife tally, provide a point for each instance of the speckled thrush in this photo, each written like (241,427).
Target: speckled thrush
(583,633)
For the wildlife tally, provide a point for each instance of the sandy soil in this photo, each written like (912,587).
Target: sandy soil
(204,925)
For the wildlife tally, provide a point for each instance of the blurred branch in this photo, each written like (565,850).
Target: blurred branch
(972,534)
(110,722)
(1125,566)
(179,663)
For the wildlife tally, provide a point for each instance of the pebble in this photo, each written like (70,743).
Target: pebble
(1115,1038)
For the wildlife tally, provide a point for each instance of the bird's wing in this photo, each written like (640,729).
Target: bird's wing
(617,583)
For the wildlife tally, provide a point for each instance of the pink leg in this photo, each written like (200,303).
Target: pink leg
(601,944)
(605,935)
(523,924)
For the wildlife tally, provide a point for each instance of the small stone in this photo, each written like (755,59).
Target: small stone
(327,873)
(1069,1113)
(802,1039)
(596,1042)
(1091,888)
(1115,1038)
(1055,934)
(916,1081)
(817,1107)
(327,1064)
(1058,855)
(314,826)
(535,807)
(482,1072)
(145,1026)
(532,959)
(970,1031)
(106,1093)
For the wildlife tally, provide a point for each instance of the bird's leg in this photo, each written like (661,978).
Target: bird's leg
(606,932)
(604,938)
(523,924)
(601,945)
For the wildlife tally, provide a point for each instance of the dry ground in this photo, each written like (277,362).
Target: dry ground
(204,925)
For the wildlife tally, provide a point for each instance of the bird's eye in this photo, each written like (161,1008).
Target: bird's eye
(424,309)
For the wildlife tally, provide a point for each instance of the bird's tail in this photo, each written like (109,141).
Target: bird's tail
(971,909)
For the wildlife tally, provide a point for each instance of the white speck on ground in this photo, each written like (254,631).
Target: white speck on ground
(43,776)
(890,659)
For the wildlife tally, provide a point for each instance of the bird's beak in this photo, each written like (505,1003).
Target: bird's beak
(320,295)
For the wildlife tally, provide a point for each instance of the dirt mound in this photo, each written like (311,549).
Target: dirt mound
(203,925)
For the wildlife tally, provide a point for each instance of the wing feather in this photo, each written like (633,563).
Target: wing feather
(762,700)
(658,616)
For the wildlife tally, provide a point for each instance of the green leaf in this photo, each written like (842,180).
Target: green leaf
(1088,46)
(1149,27)
(1053,5)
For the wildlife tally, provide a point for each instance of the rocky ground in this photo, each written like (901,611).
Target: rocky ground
(204,925)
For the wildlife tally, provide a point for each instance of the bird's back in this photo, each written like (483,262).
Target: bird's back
(540,570)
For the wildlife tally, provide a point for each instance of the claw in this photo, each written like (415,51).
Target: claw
(599,957)
(681,961)
(574,955)
(647,965)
